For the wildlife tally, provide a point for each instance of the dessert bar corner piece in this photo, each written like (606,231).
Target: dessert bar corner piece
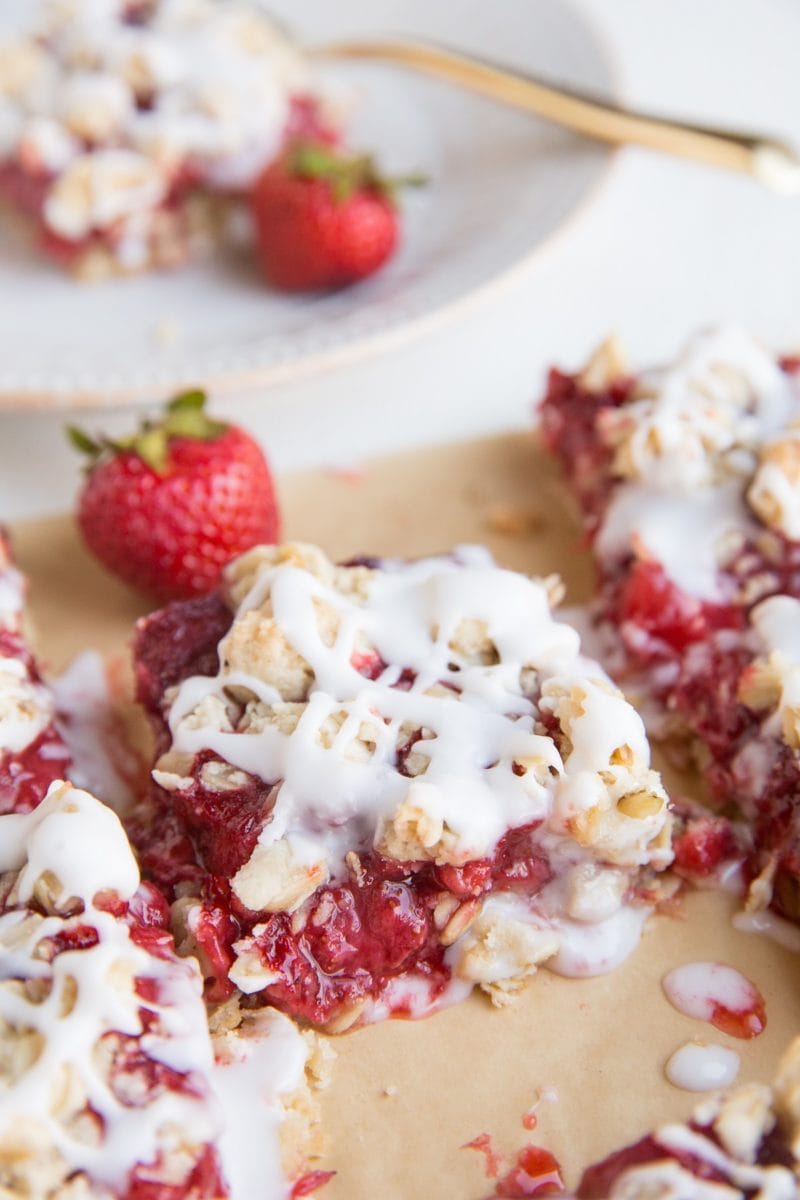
(129,127)
(32,752)
(110,1088)
(741,1143)
(688,479)
(382,783)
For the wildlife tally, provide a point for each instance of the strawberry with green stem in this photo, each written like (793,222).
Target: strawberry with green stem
(166,508)
(323,219)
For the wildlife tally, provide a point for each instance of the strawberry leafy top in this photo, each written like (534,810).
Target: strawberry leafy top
(346,174)
(184,416)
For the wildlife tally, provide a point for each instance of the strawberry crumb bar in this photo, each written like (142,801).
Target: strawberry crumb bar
(689,483)
(112,1086)
(32,753)
(745,1143)
(383,783)
(127,127)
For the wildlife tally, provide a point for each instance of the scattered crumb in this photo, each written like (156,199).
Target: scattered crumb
(166,332)
(391,1090)
(544,1095)
(512,521)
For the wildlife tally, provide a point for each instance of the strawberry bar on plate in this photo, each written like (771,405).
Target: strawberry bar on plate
(382,783)
(128,127)
(740,1144)
(32,753)
(688,479)
(110,1085)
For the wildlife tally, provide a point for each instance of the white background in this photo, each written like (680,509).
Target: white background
(663,248)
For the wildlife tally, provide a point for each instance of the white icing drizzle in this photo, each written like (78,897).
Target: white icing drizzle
(702,1067)
(668,1180)
(12,594)
(777,623)
(586,950)
(770,1183)
(237,1101)
(26,707)
(410,617)
(75,839)
(697,989)
(475,637)
(776,684)
(256,1068)
(682,532)
(686,447)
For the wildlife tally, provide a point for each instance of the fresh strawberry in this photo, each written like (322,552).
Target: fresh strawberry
(324,220)
(166,508)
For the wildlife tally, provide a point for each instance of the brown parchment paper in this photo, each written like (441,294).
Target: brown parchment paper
(407,1095)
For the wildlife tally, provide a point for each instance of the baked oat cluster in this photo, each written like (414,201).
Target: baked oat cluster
(32,752)
(128,126)
(687,479)
(391,780)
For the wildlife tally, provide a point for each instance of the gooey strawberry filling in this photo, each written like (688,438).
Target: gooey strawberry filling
(309,870)
(690,654)
(598,1181)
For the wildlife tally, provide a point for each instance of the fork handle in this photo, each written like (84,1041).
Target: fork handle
(770,161)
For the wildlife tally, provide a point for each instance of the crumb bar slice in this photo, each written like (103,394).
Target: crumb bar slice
(113,1086)
(689,485)
(383,783)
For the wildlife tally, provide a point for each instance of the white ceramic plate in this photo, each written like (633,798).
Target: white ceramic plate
(500,183)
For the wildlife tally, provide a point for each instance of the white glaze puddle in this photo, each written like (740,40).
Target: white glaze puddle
(702,1067)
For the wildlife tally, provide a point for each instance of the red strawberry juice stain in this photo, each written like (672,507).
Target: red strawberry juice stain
(536,1173)
(493,1160)
(718,994)
(307,1184)
(530,1120)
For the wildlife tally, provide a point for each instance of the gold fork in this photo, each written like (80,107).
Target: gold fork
(771,162)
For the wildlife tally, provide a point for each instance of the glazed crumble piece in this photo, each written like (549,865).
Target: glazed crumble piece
(741,1144)
(32,753)
(398,781)
(691,507)
(113,1087)
(105,1048)
(126,131)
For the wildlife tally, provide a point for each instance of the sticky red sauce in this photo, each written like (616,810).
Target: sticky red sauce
(25,777)
(493,1160)
(535,1173)
(309,1183)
